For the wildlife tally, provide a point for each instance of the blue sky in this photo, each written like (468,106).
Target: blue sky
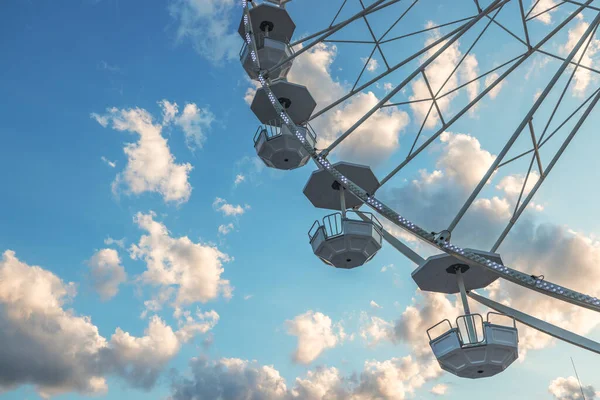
(209,276)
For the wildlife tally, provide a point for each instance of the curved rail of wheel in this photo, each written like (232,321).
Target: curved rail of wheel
(542,286)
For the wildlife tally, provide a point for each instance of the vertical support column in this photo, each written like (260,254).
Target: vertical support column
(463,295)
(343,201)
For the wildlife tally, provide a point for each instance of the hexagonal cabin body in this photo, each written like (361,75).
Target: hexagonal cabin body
(346,243)
(279,148)
(490,356)
(270,53)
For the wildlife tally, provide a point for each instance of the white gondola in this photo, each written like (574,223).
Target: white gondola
(279,148)
(473,348)
(269,17)
(272,28)
(345,242)
(270,53)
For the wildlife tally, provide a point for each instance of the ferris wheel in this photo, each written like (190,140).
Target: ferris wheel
(472,346)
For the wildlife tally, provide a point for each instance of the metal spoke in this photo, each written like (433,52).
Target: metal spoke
(338,13)
(525,56)
(524,23)
(519,129)
(541,143)
(363,68)
(373,36)
(384,74)
(427,29)
(437,108)
(545,11)
(535,148)
(547,172)
(496,4)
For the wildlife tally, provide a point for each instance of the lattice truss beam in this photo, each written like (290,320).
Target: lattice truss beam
(477,25)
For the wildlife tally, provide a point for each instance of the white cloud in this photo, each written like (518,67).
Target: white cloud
(57,351)
(239,178)
(569,389)
(169,111)
(439,389)
(207,25)
(545,250)
(111,164)
(583,77)
(375,330)
(491,78)
(248,296)
(315,333)
(226,229)
(374,305)
(150,165)
(229,209)
(194,121)
(107,273)
(194,269)
(463,158)
(118,242)
(542,6)
(387,267)
(394,379)
(372,65)
(313,69)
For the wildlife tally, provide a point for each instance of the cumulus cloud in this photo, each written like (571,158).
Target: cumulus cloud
(437,72)
(193,121)
(107,273)
(229,209)
(193,269)
(239,178)
(57,351)
(439,389)
(374,140)
(583,77)
(118,242)
(232,378)
(226,229)
(374,305)
(569,389)
(150,165)
(375,330)
(206,23)
(316,333)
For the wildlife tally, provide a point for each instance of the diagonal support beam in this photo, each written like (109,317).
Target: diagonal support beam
(374,38)
(524,122)
(553,162)
(520,61)
(535,148)
(437,107)
(538,324)
(396,243)
(493,6)
(329,32)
